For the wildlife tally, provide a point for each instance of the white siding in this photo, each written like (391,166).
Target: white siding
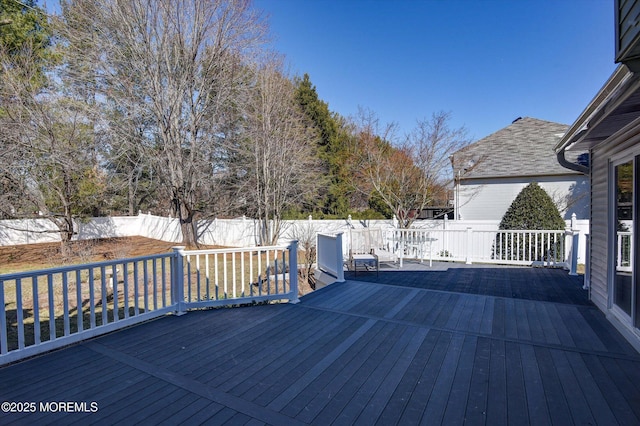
(621,146)
(599,231)
(489,199)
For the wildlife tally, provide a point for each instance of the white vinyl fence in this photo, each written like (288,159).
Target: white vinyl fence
(239,232)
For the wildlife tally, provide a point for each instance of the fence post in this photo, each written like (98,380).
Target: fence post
(339,259)
(177,280)
(293,272)
(469,242)
(575,241)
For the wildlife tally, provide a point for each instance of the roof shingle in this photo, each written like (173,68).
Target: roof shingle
(524,148)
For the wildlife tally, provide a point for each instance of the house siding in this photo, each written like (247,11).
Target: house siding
(627,13)
(620,147)
(599,230)
(489,199)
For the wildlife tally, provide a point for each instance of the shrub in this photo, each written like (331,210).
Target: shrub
(532,209)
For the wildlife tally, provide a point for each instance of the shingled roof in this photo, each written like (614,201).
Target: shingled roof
(524,148)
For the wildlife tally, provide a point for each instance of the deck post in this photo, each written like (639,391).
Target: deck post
(339,259)
(293,272)
(469,242)
(177,281)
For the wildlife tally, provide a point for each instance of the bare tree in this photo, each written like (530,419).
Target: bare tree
(406,175)
(179,63)
(48,161)
(279,167)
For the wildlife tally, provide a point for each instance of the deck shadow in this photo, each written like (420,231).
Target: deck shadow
(539,284)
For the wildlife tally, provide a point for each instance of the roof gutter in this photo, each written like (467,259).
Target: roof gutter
(569,165)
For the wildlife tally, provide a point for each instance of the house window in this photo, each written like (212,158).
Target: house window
(624,225)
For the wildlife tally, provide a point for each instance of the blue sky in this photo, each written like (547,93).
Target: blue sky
(486,61)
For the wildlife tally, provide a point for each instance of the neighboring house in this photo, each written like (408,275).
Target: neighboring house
(609,128)
(491,172)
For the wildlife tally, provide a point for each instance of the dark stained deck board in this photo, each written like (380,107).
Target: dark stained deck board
(265,362)
(358,391)
(510,319)
(535,327)
(517,407)
(523,326)
(423,387)
(285,376)
(496,411)
(325,388)
(534,390)
(282,392)
(330,383)
(286,356)
(198,356)
(442,387)
(306,353)
(549,329)
(184,402)
(405,388)
(627,388)
(605,331)
(244,349)
(616,400)
(554,393)
(541,284)
(631,370)
(57,378)
(591,390)
(564,334)
(481,346)
(455,410)
(475,411)
(383,394)
(578,406)
(461,314)
(248,327)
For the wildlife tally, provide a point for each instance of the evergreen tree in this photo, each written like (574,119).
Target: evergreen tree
(22,23)
(532,209)
(331,143)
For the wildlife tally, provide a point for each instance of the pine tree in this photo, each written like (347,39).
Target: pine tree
(331,146)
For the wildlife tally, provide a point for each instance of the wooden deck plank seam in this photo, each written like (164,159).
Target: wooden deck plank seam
(549,302)
(284,398)
(211,393)
(614,355)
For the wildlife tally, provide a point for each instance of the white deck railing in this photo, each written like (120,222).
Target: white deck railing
(624,251)
(329,255)
(216,277)
(47,309)
(502,247)
(547,248)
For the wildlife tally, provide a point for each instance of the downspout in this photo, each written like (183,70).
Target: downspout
(569,165)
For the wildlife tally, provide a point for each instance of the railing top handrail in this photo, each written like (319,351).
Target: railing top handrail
(625,233)
(71,268)
(235,250)
(420,230)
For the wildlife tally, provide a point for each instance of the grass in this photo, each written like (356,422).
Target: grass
(62,300)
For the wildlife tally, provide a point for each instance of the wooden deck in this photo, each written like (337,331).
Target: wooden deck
(445,345)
